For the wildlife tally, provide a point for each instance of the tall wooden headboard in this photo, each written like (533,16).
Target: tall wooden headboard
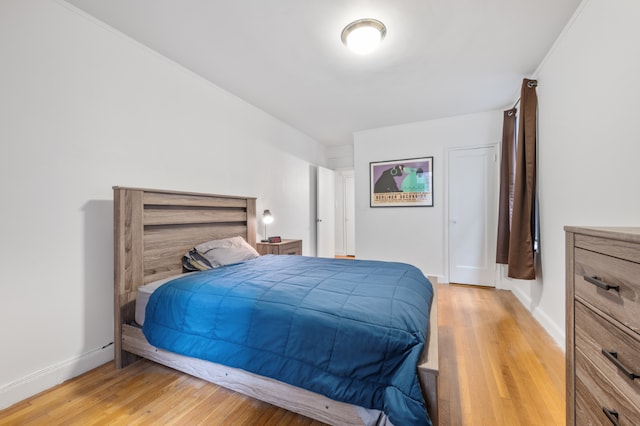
(153,229)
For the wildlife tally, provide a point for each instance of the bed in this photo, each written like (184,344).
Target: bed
(153,229)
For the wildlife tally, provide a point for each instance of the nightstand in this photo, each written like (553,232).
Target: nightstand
(285,247)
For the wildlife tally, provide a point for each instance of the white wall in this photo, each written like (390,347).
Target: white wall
(588,140)
(588,152)
(415,235)
(83,108)
(340,157)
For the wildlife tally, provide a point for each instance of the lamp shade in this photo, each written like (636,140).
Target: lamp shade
(363,36)
(267,217)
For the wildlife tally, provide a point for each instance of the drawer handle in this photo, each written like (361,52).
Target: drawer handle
(598,283)
(612,415)
(613,357)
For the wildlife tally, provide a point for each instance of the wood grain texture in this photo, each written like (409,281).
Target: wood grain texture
(594,333)
(598,393)
(185,199)
(251,223)
(428,365)
(497,365)
(629,234)
(152,231)
(146,393)
(479,385)
(570,327)
(128,245)
(291,247)
(178,216)
(616,248)
(622,305)
(603,267)
(272,391)
(301,401)
(161,219)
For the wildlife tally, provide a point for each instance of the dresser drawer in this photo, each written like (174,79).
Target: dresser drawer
(592,400)
(622,305)
(593,334)
(594,394)
(293,248)
(610,246)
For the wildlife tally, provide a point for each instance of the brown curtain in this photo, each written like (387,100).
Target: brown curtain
(521,241)
(507,183)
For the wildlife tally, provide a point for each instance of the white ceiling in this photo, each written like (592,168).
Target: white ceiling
(440,58)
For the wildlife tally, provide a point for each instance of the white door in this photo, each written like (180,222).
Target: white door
(473,215)
(326,213)
(350,215)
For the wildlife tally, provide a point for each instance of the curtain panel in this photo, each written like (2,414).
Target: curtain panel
(507,183)
(517,217)
(521,240)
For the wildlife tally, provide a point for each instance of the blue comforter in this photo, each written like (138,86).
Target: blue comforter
(351,330)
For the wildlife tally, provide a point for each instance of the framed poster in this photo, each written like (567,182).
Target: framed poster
(401,183)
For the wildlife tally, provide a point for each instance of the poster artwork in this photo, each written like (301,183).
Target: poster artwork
(402,183)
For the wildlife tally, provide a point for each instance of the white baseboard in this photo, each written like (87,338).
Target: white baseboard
(53,375)
(523,298)
(556,333)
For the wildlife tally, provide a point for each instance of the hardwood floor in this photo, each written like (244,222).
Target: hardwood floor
(497,364)
(497,367)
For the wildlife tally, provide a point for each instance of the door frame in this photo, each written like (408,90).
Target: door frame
(341,211)
(447,233)
(326,218)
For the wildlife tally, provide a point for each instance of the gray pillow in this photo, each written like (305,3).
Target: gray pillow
(216,253)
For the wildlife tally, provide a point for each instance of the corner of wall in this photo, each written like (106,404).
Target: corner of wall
(340,157)
(556,333)
(53,375)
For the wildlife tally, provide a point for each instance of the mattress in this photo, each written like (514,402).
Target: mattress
(369,416)
(350,330)
(145,292)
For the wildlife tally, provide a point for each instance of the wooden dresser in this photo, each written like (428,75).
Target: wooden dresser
(603,326)
(284,247)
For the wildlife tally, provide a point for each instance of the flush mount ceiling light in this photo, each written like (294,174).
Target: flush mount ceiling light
(364,35)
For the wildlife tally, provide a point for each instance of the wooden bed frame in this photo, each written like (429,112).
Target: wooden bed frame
(152,231)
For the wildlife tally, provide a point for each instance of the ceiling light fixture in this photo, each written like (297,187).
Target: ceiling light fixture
(364,35)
